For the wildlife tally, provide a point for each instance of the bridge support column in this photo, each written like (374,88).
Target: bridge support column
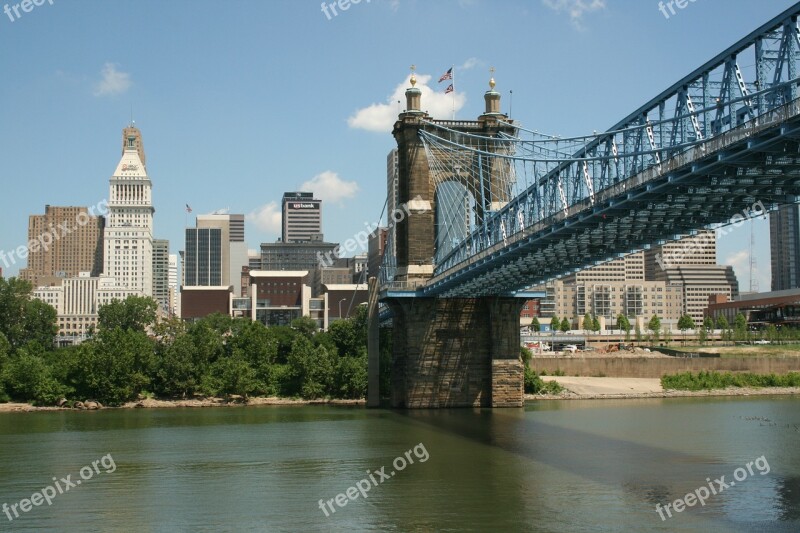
(458,352)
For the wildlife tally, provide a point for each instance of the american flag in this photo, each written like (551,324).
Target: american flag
(449,89)
(447,75)
(188,209)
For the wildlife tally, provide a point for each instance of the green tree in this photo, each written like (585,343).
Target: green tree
(312,369)
(230,375)
(305,326)
(535,326)
(740,327)
(351,377)
(595,324)
(655,327)
(28,377)
(588,323)
(625,325)
(24,319)
(565,325)
(115,367)
(136,313)
(350,335)
(177,371)
(772,333)
(685,322)
(722,324)
(555,323)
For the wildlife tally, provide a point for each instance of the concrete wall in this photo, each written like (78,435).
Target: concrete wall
(642,367)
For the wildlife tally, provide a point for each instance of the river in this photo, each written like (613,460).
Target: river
(555,466)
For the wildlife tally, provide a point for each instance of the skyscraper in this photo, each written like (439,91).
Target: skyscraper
(161,273)
(128,256)
(71,241)
(215,251)
(784,244)
(301,217)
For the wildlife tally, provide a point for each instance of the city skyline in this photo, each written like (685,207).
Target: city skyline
(198,151)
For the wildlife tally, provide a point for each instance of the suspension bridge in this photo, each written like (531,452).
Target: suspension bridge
(495,208)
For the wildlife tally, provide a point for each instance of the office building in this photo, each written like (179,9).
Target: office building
(128,236)
(298,255)
(215,251)
(70,241)
(784,244)
(301,217)
(161,273)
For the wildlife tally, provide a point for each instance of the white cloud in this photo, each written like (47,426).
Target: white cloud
(329,187)
(112,82)
(740,261)
(470,63)
(381,117)
(267,218)
(575,8)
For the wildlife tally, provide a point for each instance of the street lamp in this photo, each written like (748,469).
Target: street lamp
(340,307)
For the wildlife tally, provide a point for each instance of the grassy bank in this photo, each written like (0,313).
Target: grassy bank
(722,380)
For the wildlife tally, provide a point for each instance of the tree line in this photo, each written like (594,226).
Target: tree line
(131,355)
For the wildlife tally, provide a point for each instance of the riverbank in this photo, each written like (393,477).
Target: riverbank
(599,388)
(150,403)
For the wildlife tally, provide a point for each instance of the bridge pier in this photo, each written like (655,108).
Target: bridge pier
(456,352)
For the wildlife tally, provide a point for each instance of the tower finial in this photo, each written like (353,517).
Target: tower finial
(491,80)
(413,75)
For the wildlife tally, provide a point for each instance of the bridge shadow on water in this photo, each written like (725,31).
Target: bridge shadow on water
(649,474)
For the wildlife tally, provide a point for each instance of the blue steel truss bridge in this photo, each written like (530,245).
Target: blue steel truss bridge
(507,208)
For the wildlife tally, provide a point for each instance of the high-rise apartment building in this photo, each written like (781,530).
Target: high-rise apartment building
(70,242)
(128,245)
(301,217)
(784,244)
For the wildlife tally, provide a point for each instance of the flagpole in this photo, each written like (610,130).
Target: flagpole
(453,71)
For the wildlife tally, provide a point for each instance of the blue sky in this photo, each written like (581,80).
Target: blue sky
(239,101)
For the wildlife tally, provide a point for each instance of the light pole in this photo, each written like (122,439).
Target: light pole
(340,307)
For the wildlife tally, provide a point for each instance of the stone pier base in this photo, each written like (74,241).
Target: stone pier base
(459,352)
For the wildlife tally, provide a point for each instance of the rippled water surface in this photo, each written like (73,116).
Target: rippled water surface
(557,466)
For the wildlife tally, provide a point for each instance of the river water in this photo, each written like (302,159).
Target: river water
(555,466)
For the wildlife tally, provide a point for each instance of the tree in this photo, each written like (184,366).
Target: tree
(772,333)
(722,324)
(24,319)
(638,332)
(535,326)
(28,377)
(565,325)
(115,367)
(305,325)
(588,323)
(230,375)
(555,323)
(595,324)
(685,322)
(624,324)
(135,313)
(655,327)
(312,369)
(740,327)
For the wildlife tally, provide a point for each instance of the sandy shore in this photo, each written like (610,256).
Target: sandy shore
(195,402)
(587,388)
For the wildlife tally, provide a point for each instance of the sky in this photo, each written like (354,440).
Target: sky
(240,101)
